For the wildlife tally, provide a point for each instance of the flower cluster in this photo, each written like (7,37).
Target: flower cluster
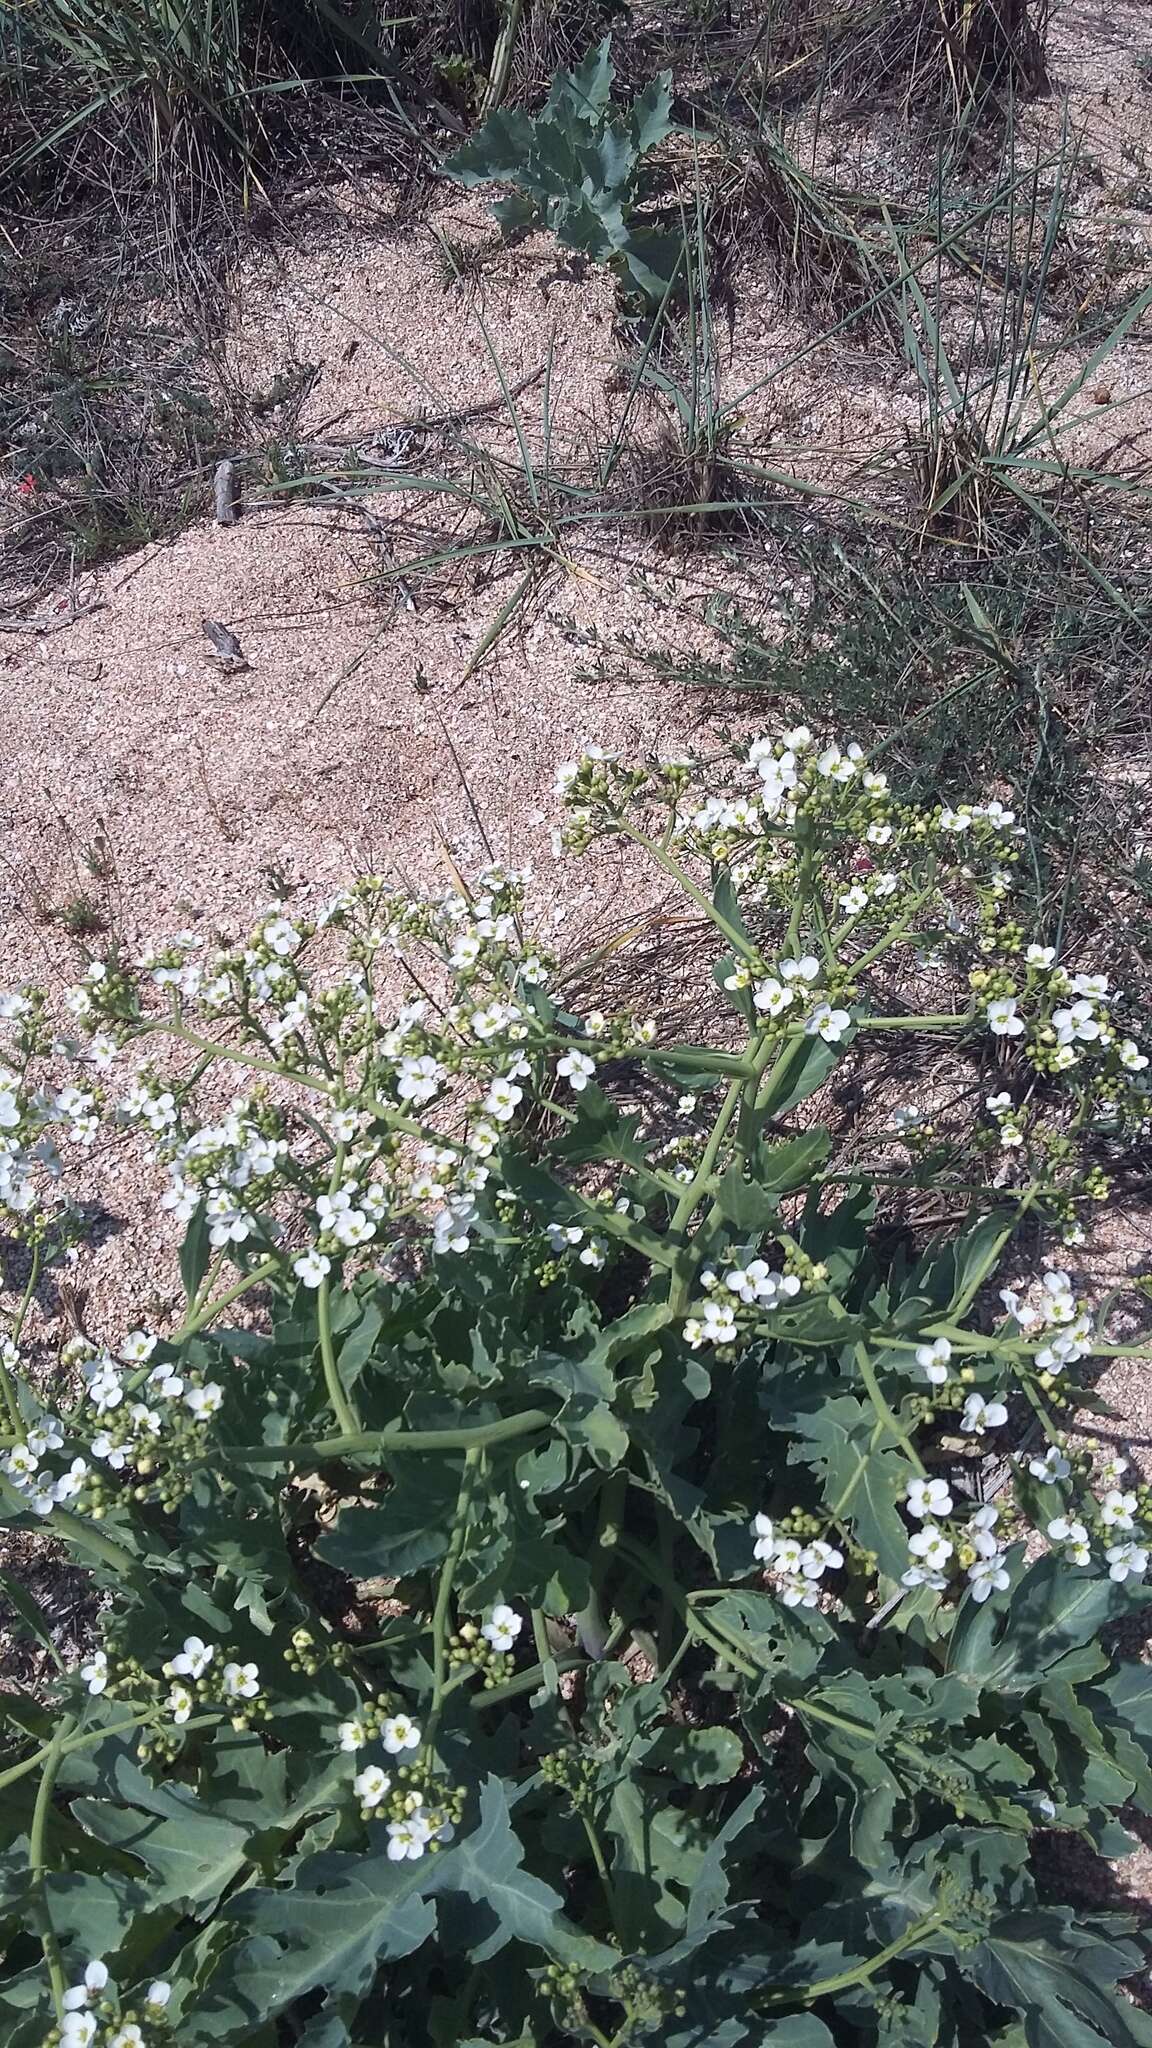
(94,2016)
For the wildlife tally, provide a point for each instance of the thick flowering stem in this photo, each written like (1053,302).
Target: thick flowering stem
(737,939)
(825,1987)
(890,1421)
(341,1407)
(76,1530)
(91,1738)
(6,1382)
(443,1608)
(384,1443)
(38,1859)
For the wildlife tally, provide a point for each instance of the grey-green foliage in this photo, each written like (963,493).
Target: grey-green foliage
(575,168)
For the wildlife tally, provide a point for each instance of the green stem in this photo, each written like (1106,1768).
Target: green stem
(104,1548)
(602,1872)
(38,1859)
(341,1407)
(443,1607)
(201,1317)
(891,1422)
(91,1740)
(826,1987)
(741,946)
(10,1400)
(384,1442)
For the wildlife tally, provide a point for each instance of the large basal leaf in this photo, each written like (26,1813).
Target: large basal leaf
(343,1917)
(191,1854)
(1050,1622)
(507,1903)
(404,1531)
(1061,1980)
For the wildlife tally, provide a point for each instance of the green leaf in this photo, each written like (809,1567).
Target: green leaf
(486,1867)
(809,1063)
(406,1529)
(698,1756)
(195,1253)
(191,1854)
(1049,1622)
(792,1163)
(587,1386)
(862,1481)
(1059,1979)
(342,1917)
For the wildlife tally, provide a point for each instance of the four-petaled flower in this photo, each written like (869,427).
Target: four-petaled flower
(577,1069)
(502,1627)
(928,1497)
(398,1733)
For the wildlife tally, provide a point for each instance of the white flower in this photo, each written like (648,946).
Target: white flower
(371,1786)
(1130,1056)
(1002,1019)
(837,766)
(77,2029)
(928,1497)
(95,1672)
(819,1557)
(771,997)
(998,1104)
(1126,1560)
(71,1482)
(158,1994)
(577,1069)
(686,1105)
(955,821)
(502,1627)
(980,1415)
(807,968)
(95,1978)
(764,1530)
(1024,1315)
(1040,956)
(1117,1510)
(312,1267)
(715,1325)
(502,1098)
(138,1346)
(827,1023)
(353,1735)
(193,1660)
(20,1464)
(240,1681)
(180,1704)
(418,1080)
(854,900)
(988,1575)
(933,1360)
(409,1838)
(203,1402)
(1077,1022)
(1074,1535)
(1093,985)
(399,1733)
(127,2036)
(931,1546)
(1053,1465)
